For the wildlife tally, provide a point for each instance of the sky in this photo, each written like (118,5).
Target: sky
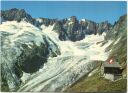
(97,11)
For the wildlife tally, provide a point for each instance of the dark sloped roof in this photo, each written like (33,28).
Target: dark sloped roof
(107,64)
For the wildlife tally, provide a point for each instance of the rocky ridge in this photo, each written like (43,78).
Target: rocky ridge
(68,29)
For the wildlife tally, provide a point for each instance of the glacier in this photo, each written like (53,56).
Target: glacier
(24,48)
(76,60)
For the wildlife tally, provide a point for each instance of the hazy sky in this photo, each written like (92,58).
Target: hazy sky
(97,11)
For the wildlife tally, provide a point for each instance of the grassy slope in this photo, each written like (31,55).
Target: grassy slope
(96,83)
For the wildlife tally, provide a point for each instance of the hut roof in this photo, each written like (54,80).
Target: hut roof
(114,64)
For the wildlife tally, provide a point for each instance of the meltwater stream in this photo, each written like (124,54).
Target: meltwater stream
(76,60)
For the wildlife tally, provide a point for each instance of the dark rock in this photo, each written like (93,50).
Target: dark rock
(75,30)
(117,29)
(103,27)
(16,15)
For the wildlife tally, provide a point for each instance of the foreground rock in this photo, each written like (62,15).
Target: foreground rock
(24,49)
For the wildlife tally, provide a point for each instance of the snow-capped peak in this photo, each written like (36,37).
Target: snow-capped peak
(83,20)
(39,20)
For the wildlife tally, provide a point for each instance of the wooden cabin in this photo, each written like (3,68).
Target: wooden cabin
(111,70)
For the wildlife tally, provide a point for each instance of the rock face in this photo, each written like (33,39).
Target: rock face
(119,36)
(15,14)
(118,28)
(24,49)
(103,27)
(68,29)
(74,30)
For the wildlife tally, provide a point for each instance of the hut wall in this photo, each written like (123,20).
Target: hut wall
(109,76)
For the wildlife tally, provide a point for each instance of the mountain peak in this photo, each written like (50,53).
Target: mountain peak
(15,14)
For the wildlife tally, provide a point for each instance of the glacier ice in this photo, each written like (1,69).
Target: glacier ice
(76,59)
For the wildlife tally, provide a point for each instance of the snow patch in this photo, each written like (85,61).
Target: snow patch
(70,23)
(69,19)
(117,41)
(39,20)
(83,20)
